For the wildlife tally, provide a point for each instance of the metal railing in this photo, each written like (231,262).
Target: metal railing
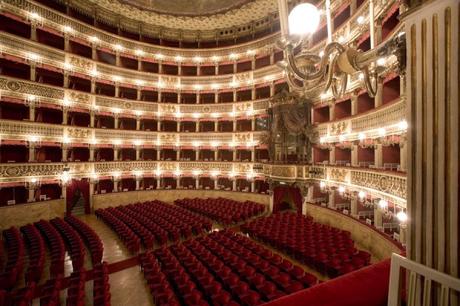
(421,284)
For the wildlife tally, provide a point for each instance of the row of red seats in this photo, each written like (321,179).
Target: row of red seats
(222,268)
(75,244)
(101,286)
(51,291)
(56,247)
(21,297)
(124,232)
(76,289)
(222,210)
(327,249)
(176,221)
(15,262)
(92,239)
(153,222)
(36,249)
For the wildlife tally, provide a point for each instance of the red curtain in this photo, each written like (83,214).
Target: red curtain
(293,193)
(73,187)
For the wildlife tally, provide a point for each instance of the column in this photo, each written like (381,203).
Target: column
(138,93)
(66,79)
(33,72)
(115,185)
(331,200)
(354,104)
(253,186)
(115,121)
(332,111)
(378,99)
(138,153)
(92,184)
(138,123)
(253,154)
(93,85)
(329,24)
(32,152)
(93,52)
(31,111)
(253,92)
(158,125)
(92,117)
(115,153)
(65,151)
(197,126)
(117,58)
(31,192)
(332,155)
(378,218)
(177,182)
(403,155)
(354,155)
(378,156)
(216,126)
(272,89)
(91,153)
(234,154)
(234,125)
(216,153)
(197,154)
(215,179)
(33,31)
(65,115)
(234,95)
(158,182)
(432,73)
(253,124)
(403,233)
(117,90)
(354,208)
(178,154)
(178,126)
(138,182)
(234,184)
(197,182)
(158,153)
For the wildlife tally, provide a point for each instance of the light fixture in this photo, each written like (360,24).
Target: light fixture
(322,184)
(360,19)
(66,139)
(93,39)
(116,174)
(117,142)
(215,58)
(33,180)
(65,177)
(94,72)
(341,189)
(198,87)
(137,142)
(196,172)
(138,113)
(403,125)
(402,216)
(198,59)
(116,110)
(233,56)
(215,115)
(306,71)
(361,136)
(67,29)
(34,15)
(178,114)
(251,52)
(215,173)
(66,102)
(232,174)
(118,47)
(117,78)
(322,139)
(158,172)
(342,138)
(68,66)
(381,61)
(382,131)
(33,56)
(139,52)
(303,19)
(177,173)
(362,195)
(178,58)
(196,115)
(196,143)
(214,86)
(34,138)
(139,82)
(138,173)
(159,56)
(383,204)
(214,144)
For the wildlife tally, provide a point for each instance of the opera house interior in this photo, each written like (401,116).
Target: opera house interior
(217,152)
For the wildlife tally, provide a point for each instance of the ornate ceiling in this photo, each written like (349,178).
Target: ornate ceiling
(198,15)
(187,7)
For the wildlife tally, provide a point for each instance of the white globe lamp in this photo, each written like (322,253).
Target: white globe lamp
(303,19)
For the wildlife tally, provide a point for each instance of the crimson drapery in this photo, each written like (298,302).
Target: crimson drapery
(72,188)
(367,286)
(292,193)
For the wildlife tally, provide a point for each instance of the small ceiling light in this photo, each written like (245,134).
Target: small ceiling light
(360,19)
(33,180)
(214,144)
(116,174)
(381,61)
(159,56)
(160,84)
(34,15)
(322,184)
(361,195)
(361,136)
(322,139)
(137,142)
(198,59)
(215,115)
(196,172)
(215,58)
(215,173)
(178,115)
(65,139)
(234,84)
(178,58)
(117,78)
(34,138)
(251,52)
(68,66)
(383,204)
(138,113)
(118,47)
(33,56)
(117,142)
(139,52)
(321,53)
(198,87)
(94,72)
(139,82)
(382,132)
(214,86)
(196,143)
(138,173)
(116,110)
(67,29)
(233,56)
(196,115)
(93,39)
(66,102)
(341,189)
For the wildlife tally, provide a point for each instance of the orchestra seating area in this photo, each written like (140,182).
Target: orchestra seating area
(324,248)
(25,251)
(152,223)
(222,268)
(224,211)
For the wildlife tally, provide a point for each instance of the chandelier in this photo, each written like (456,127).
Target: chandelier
(307,72)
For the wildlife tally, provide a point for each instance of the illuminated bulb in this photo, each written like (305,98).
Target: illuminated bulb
(215,115)
(234,84)
(232,114)
(341,189)
(249,112)
(214,86)
(233,56)
(342,138)
(324,96)
(381,61)
(67,29)
(361,195)
(303,19)
(250,52)
(34,15)
(158,172)
(33,138)
(215,172)
(138,113)
(65,177)
(178,85)
(383,204)
(214,144)
(139,82)
(116,110)
(31,98)
(94,72)
(198,87)
(117,78)
(249,175)
(117,142)
(160,84)
(322,184)
(232,144)
(33,180)
(178,58)
(196,172)
(138,173)
(33,56)
(382,132)
(321,54)
(93,39)
(93,141)
(94,176)
(322,139)
(65,139)
(118,47)
(139,52)
(401,216)
(360,19)
(361,76)
(159,56)
(196,115)
(341,39)
(196,143)
(116,174)
(198,59)
(215,58)
(177,173)
(232,174)
(68,66)
(66,102)
(403,125)
(178,115)
(137,142)
(361,136)
(268,78)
